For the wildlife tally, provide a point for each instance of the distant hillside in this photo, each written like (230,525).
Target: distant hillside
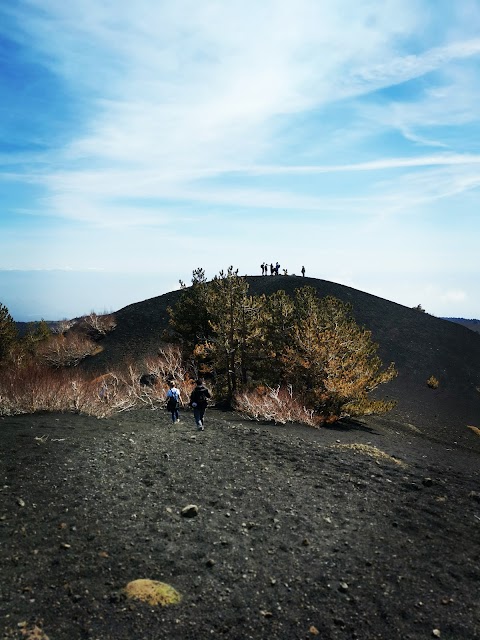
(24,327)
(472,324)
(421,346)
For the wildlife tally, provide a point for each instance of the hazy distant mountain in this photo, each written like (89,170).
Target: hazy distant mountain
(474,325)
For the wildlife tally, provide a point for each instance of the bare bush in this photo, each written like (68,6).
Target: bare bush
(62,326)
(433,382)
(31,385)
(35,387)
(114,392)
(278,405)
(167,366)
(66,350)
(98,326)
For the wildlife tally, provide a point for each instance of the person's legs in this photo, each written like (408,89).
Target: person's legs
(197,413)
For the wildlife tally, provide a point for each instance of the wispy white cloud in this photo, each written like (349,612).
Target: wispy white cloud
(317,111)
(403,68)
(372,165)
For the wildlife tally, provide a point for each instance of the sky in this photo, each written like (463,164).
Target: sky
(141,140)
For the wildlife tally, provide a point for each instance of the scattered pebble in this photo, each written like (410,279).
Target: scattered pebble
(190,511)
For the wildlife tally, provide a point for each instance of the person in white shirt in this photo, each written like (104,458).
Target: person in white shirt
(173,401)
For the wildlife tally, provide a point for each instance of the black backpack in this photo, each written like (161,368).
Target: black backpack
(200,396)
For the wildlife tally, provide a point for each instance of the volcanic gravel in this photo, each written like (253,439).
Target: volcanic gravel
(365,530)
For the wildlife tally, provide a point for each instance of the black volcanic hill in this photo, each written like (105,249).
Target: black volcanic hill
(472,324)
(419,344)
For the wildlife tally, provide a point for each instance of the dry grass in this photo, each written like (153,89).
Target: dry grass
(411,427)
(277,405)
(373,452)
(32,387)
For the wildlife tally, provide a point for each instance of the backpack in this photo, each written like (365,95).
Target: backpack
(172,400)
(172,404)
(200,396)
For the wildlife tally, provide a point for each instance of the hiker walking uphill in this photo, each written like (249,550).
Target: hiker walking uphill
(198,401)
(173,401)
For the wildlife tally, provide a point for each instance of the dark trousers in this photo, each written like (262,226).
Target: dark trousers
(199,413)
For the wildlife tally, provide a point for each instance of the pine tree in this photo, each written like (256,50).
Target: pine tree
(189,317)
(231,326)
(276,321)
(332,359)
(8,333)
(37,333)
(313,345)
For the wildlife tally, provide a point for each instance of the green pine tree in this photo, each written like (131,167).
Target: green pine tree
(189,322)
(37,333)
(8,333)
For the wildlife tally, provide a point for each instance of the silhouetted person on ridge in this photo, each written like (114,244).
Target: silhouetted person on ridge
(303,271)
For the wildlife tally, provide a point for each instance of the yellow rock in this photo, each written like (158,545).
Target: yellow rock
(152,592)
(32,633)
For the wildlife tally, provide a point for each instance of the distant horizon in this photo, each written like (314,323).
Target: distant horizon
(141,140)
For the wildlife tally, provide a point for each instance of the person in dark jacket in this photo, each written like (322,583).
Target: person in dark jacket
(198,401)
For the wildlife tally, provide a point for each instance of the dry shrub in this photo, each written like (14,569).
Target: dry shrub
(433,383)
(35,387)
(66,350)
(366,407)
(277,405)
(98,326)
(153,592)
(169,365)
(62,326)
(115,392)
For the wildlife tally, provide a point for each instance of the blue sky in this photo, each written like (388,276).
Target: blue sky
(141,140)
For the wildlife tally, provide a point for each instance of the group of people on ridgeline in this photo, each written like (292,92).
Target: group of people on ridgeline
(275,269)
(198,401)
